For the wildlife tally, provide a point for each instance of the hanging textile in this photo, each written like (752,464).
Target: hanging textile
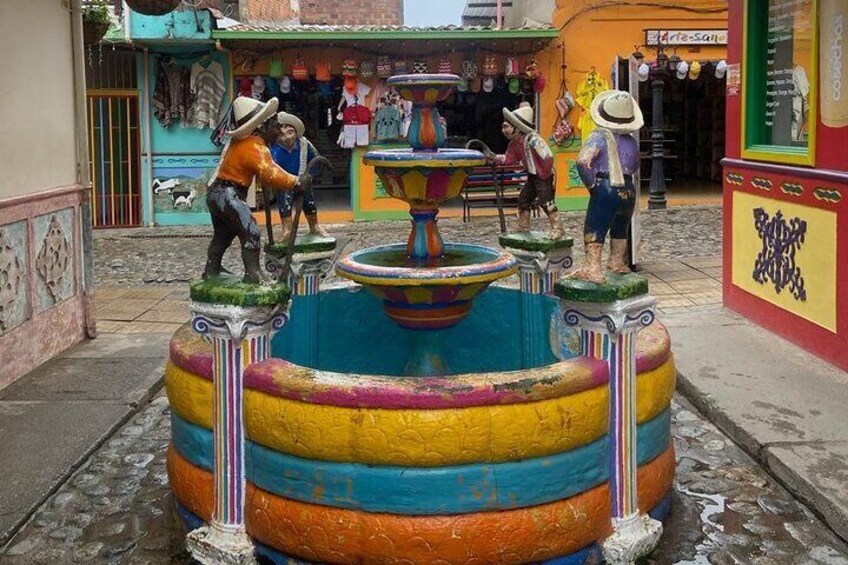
(587,89)
(388,123)
(172,98)
(208,88)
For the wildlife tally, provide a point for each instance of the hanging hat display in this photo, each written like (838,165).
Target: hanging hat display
(488,84)
(539,83)
(462,86)
(682,69)
(446,65)
(490,66)
(366,68)
(721,69)
(475,84)
(275,67)
(420,67)
(470,70)
(643,71)
(248,114)
(616,111)
(532,69)
(511,67)
(349,68)
(244,87)
(257,88)
(384,66)
(694,70)
(514,85)
(285,85)
(299,70)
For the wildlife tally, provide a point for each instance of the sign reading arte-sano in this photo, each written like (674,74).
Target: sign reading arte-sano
(686,36)
(833,62)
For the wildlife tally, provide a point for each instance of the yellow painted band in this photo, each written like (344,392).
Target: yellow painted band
(411,281)
(422,438)
(445,164)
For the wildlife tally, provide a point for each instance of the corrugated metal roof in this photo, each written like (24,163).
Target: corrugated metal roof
(483,9)
(285,27)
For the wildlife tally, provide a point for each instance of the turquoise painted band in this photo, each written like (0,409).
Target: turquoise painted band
(460,489)
(590,555)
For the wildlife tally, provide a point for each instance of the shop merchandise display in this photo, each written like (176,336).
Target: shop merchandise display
(172,97)
(587,90)
(208,90)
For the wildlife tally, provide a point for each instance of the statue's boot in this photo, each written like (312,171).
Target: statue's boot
(557,230)
(286,223)
(523,221)
(617,262)
(315,227)
(591,269)
(213,260)
(253,272)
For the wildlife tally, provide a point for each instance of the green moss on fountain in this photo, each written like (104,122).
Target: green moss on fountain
(617,287)
(534,241)
(232,290)
(307,243)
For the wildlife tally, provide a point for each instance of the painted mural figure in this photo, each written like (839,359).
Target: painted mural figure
(526,146)
(253,127)
(606,164)
(292,151)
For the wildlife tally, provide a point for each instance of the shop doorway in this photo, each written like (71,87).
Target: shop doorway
(694,130)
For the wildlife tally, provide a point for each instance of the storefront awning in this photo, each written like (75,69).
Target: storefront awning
(421,39)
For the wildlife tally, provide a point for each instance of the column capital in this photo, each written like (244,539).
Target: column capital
(237,322)
(543,262)
(631,314)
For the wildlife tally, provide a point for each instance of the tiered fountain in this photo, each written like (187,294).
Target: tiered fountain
(354,452)
(426,284)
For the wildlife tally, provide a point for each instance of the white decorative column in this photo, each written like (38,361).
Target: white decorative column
(609,316)
(240,320)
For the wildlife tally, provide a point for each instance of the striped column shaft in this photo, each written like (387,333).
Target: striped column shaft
(622,427)
(306,285)
(230,359)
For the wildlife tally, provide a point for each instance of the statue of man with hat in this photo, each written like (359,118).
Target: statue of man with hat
(606,164)
(252,127)
(292,151)
(526,146)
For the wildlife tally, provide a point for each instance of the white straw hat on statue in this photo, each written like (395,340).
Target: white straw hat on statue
(522,118)
(249,114)
(287,119)
(616,111)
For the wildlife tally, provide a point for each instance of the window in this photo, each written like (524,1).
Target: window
(780,88)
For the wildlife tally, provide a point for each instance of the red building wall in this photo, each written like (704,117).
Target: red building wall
(351,12)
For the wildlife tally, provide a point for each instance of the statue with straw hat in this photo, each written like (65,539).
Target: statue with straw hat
(606,164)
(526,146)
(251,126)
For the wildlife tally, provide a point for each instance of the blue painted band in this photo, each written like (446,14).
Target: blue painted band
(458,489)
(586,556)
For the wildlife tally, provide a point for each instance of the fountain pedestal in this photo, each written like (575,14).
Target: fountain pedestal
(240,319)
(609,316)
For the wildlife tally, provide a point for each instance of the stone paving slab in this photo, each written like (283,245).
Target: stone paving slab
(785,407)
(34,463)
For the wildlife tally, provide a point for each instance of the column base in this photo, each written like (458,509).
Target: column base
(219,545)
(633,537)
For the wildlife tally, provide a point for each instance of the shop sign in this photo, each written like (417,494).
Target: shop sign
(685,37)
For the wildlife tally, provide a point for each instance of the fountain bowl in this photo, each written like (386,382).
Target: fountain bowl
(427,295)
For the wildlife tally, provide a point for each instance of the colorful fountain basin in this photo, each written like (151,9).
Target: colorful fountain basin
(425,89)
(424,178)
(432,295)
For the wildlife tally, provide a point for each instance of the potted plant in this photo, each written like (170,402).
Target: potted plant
(96,20)
(153,7)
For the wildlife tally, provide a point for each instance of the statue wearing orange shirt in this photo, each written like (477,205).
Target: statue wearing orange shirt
(245,157)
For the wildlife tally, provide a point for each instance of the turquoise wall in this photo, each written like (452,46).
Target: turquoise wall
(183,153)
(188,24)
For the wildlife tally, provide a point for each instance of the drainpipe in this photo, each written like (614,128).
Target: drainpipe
(147,142)
(83,171)
(499,17)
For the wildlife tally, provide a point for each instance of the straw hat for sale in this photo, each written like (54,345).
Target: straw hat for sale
(616,111)
(249,114)
(287,119)
(521,118)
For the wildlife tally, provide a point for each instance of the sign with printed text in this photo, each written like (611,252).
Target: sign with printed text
(686,37)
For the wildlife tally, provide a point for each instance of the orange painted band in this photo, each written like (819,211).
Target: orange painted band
(332,535)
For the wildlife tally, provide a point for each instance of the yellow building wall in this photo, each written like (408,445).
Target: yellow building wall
(593,32)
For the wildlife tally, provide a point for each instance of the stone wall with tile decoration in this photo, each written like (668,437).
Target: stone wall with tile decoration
(41,305)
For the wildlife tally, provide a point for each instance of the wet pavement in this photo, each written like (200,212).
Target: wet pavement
(725,510)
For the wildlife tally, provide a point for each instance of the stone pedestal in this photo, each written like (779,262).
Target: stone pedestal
(609,316)
(312,261)
(239,318)
(541,262)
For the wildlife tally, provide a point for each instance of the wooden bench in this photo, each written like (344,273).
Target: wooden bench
(484,185)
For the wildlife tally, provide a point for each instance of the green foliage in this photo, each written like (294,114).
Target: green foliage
(96,12)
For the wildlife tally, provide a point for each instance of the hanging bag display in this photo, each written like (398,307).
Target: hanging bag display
(470,70)
(420,67)
(384,66)
(511,67)
(366,68)
(563,133)
(445,65)
(490,66)
(400,66)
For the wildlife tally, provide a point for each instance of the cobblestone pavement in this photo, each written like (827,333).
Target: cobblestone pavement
(117,507)
(176,255)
